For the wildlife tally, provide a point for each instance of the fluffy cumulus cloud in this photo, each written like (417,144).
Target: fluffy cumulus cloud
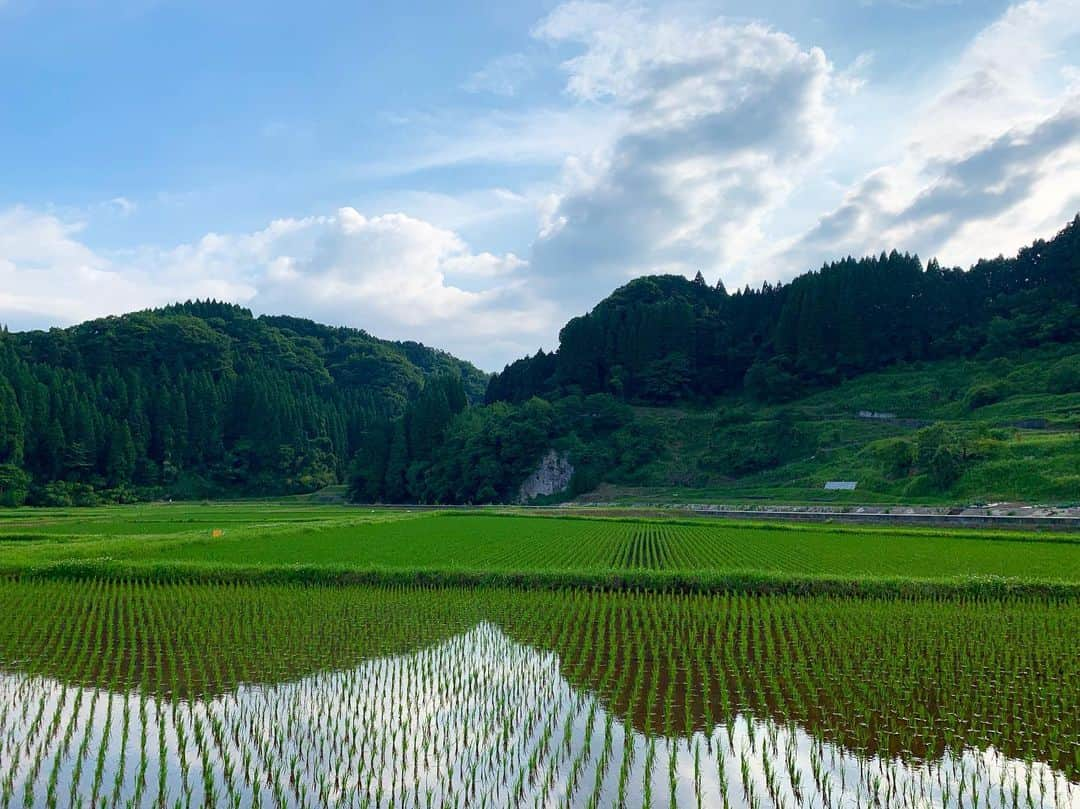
(720,120)
(992,160)
(49,276)
(394,275)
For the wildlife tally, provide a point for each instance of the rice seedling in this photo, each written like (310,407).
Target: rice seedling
(183,694)
(469,548)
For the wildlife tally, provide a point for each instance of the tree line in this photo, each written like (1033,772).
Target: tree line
(197,399)
(442,451)
(660,339)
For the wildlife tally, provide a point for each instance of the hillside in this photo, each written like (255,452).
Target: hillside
(675,389)
(1007,429)
(198,399)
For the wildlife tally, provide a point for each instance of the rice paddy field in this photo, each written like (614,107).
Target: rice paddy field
(172,656)
(324,543)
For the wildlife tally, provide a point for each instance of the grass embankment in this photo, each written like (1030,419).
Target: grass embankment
(335,546)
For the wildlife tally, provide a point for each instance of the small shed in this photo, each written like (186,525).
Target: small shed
(841,485)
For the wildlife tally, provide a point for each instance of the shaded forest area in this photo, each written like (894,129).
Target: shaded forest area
(197,400)
(661,339)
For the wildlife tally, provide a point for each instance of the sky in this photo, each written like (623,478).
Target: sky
(473,174)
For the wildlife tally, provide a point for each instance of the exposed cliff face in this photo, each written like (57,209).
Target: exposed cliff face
(551,477)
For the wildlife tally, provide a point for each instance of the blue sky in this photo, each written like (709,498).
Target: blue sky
(473,174)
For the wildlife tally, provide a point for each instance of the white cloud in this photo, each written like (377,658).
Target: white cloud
(393,275)
(1007,77)
(38,241)
(503,75)
(122,205)
(471,210)
(48,276)
(917,5)
(991,162)
(538,136)
(718,122)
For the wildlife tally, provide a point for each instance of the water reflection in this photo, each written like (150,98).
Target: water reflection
(477,719)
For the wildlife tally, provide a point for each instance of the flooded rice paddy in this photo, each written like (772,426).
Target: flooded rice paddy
(172,695)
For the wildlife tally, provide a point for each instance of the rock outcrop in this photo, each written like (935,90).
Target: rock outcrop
(551,477)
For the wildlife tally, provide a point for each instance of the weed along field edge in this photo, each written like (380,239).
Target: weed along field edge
(314,656)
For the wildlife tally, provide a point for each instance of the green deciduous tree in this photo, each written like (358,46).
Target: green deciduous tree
(14,485)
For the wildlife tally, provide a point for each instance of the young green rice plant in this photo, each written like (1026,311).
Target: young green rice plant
(407,696)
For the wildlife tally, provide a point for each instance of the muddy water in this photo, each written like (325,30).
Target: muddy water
(476,719)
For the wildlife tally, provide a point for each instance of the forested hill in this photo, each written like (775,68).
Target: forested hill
(663,338)
(671,385)
(198,399)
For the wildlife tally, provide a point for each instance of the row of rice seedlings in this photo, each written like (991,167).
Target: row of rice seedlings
(646,546)
(523,543)
(901,678)
(698,547)
(186,696)
(541,543)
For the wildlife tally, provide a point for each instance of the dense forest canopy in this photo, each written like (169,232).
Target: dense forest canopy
(663,338)
(196,399)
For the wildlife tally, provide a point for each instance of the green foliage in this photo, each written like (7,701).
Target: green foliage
(895,455)
(666,379)
(984,394)
(1064,375)
(394,462)
(440,452)
(203,397)
(771,381)
(65,493)
(944,467)
(14,485)
(489,451)
(636,446)
(1022,447)
(665,340)
(929,440)
(748,448)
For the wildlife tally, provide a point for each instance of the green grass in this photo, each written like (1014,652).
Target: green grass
(284,543)
(543,543)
